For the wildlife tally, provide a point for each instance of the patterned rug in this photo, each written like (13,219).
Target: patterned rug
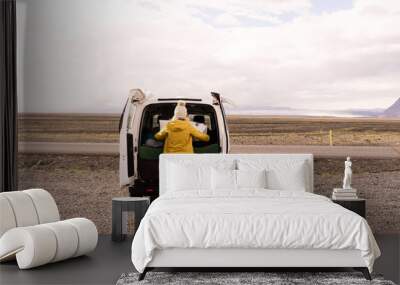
(269,278)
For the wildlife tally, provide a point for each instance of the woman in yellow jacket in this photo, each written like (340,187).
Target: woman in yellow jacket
(178,133)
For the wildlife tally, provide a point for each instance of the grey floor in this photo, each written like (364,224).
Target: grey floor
(104,266)
(110,260)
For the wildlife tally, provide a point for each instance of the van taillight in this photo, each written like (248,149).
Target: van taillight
(149,190)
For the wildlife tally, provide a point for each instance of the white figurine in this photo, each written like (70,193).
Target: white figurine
(348,173)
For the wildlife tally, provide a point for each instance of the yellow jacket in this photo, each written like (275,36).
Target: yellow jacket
(178,136)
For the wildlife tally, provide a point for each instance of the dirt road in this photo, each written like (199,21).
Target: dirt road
(318,151)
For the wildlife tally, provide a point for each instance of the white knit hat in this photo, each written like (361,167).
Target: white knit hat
(180,110)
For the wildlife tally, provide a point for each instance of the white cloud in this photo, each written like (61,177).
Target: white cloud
(227,20)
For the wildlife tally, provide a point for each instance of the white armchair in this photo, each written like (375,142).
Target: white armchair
(31,230)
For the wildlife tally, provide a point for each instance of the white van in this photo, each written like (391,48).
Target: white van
(141,120)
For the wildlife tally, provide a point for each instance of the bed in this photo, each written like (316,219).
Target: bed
(247,210)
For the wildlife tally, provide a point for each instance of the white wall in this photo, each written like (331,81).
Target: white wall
(69,49)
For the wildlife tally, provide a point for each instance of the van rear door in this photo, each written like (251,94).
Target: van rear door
(225,144)
(127,142)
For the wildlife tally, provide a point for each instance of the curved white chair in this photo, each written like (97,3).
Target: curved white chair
(31,230)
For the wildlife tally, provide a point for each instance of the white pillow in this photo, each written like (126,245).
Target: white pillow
(288,175)
(251,178)
(223,179)
(183,177)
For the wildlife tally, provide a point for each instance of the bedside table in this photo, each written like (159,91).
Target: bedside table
(358,206)
(120,208)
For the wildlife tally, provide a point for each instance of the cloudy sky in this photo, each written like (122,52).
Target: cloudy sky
(84,56)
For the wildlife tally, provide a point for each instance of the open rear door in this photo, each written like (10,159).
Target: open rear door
(225,144)
(127,140)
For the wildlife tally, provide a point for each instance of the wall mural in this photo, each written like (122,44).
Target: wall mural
(319,77)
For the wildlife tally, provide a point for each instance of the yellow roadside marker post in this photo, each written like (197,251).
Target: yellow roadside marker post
(321,136)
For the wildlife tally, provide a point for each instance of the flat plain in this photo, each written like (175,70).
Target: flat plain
(244,130)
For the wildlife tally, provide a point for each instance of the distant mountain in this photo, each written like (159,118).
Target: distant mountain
(366,112)
(286,111)
(393,111)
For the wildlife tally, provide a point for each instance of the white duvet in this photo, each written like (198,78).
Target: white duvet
(250,219)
